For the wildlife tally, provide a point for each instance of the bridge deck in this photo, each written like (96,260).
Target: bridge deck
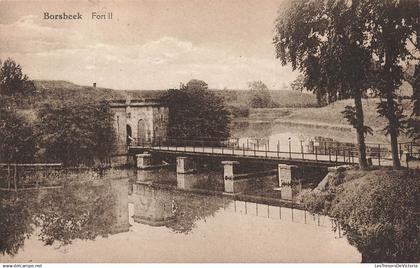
(278,156)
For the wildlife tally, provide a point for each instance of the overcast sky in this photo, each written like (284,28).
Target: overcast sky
(148,44)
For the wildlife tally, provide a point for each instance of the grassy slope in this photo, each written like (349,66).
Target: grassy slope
(284,98)
(331,114)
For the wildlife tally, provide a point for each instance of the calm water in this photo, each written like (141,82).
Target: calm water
(130,220)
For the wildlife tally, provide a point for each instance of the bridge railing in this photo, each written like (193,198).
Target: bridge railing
(331,151)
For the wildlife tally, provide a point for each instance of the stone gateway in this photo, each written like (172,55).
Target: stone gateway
(140,121)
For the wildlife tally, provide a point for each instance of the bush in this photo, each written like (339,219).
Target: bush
(380,215)
(238,111)
(378,210)
(76,134)
(17,141)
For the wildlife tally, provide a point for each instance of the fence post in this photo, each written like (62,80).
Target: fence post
(290,149)
(400,151)
(258,144)
(233,149)
(254,150)
(316,153)
(243,148)
(379,154)
(8,177)
(301,149)
(265,147)
(14,178)
(329,154)
(247,144)
(336,154)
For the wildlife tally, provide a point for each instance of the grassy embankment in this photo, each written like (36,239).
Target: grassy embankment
(328,117)
(377,209)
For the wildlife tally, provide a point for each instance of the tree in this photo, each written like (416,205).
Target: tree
(12,80)
(324,41)
(196,113)
(76,133)
(391,24)
(260,95)
(17,141)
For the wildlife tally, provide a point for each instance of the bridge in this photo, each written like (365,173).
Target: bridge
(316,154)
(245,160)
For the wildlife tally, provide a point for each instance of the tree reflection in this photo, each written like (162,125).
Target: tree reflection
(75,212)
(157,205)
(15,222)
(83,211)
(190,208)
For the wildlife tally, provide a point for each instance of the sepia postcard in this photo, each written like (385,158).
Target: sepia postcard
(210,131)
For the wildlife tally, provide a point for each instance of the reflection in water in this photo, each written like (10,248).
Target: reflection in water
(157,206)
(286,192)
(79,211)
(85,217)
(152,206)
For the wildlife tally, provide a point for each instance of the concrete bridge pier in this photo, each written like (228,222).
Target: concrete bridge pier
(184,169)
(286,173)
(184,165)
(233,185)
(144,160)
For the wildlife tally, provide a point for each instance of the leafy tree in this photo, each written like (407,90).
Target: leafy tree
(76,133)
(260,95)
(17,141)
(323,40)
(196,113)
(390,25)
(12,80)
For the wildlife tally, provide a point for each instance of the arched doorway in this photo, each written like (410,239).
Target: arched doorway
(129,135)
(141,131)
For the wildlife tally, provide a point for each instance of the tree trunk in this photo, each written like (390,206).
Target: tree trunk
(361,146)
(393,130)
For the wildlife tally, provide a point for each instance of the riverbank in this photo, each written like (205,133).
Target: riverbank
(385,224)
(325,119)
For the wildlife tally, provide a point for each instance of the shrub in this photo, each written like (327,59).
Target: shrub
(76,134)
(379,212)
(17,141)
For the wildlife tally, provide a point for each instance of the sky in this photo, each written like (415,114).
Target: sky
(148,44)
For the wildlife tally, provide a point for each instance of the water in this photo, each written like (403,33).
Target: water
(285,138)
(131,220)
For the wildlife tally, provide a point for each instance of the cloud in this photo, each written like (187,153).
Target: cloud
(58,53)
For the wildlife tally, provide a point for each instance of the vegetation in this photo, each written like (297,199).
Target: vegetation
(324,41)
(346,48)
(260,95)
(12,80)
(391,25)
(384,225)
(76,134)
(82,211)
(196,113)
(17,141)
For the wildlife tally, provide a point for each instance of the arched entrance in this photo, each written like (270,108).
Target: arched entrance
(141,131)
(129,135)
